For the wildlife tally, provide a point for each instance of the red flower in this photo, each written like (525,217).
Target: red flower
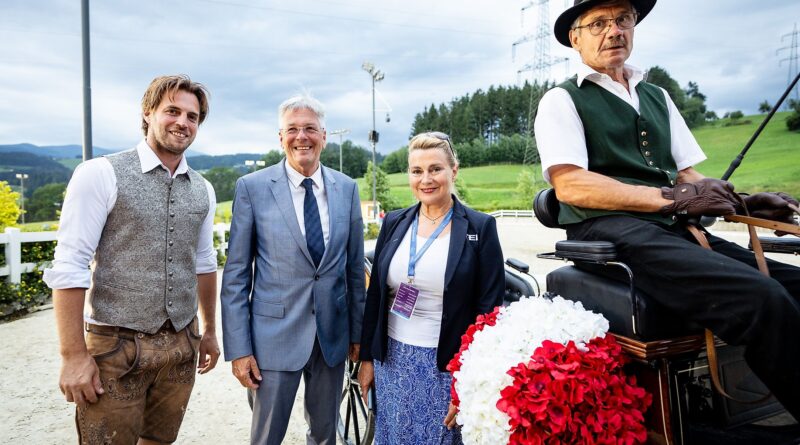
(454,364)
(566,395)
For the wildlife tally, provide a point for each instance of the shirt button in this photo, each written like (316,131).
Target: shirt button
(644,143)
(644,133)
(651,163)
(647,153)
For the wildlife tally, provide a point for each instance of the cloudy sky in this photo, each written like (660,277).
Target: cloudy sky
(252,54)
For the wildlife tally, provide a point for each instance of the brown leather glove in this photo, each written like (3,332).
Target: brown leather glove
(711,197)
(771,206)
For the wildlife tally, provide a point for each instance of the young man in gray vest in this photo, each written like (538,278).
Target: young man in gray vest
(144,218)
(620,159)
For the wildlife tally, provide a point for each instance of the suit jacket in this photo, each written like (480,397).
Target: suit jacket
(474,281)
(274,301)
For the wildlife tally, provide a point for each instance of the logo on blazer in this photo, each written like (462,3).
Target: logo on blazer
(472,237)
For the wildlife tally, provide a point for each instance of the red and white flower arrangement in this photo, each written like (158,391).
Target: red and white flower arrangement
(543,371)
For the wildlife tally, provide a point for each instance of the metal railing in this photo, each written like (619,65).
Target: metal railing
(512,213)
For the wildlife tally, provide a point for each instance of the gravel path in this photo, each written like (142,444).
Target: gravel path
(34,411)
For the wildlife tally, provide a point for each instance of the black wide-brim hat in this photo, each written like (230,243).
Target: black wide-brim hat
(567,18)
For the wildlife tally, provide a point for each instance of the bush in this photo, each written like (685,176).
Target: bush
(221,257)
(32,291)
(372,231)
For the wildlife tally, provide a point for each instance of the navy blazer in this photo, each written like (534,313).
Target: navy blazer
(474,281)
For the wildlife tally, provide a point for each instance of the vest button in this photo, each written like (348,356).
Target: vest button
(172,200)
(644,133)
(170,273)
(647,153)
(170,242)
(169,303)
(169,259)
(172,214)
(644,143)
(172,229)
(169,288)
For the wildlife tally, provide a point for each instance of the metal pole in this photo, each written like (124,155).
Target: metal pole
(341,170)
(22,196)
(374,166)
(87,83)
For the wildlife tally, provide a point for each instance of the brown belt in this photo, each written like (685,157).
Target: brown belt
(126,333)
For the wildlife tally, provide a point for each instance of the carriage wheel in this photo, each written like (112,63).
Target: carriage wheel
(356,423)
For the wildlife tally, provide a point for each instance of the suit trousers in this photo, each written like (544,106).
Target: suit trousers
(720,289)
(272,401)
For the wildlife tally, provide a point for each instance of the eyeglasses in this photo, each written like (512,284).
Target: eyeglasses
(623,22)
(295,131)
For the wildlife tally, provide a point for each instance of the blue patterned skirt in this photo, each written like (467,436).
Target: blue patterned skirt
(412,397)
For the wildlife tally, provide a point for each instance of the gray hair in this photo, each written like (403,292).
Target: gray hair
(577,21)
(302,102)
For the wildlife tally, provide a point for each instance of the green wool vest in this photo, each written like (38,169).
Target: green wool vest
(630,147)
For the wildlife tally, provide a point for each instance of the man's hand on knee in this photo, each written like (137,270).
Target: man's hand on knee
(80,379)
(712,197)
(246,370)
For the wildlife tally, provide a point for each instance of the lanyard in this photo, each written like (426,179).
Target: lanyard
(413,256)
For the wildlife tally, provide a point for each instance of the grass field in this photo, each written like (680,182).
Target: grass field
(773,163)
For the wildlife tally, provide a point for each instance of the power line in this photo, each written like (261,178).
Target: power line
(792,58)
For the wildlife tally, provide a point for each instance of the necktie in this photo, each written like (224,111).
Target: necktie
(314,239)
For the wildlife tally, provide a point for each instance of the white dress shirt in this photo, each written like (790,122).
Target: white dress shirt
(559,131)
(91,194)
(299,197)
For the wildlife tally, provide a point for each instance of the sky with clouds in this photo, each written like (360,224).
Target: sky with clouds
(252,54)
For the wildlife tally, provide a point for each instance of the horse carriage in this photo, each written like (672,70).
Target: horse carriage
(668,355)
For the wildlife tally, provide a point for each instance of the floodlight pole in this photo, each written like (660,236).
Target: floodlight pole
(340,133)
(22,177)
(376,76)
(87,83)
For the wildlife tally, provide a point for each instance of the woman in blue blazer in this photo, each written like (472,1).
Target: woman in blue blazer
(437,266)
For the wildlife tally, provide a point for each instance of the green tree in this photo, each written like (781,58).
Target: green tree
(764,107)
(659,76)
(462,191)
(44,203)
(526,187)
(9,210)
(224,181)
(793,121)
(273,157)
(382,189)
(396,161)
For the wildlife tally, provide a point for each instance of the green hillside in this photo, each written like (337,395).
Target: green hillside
(773,163)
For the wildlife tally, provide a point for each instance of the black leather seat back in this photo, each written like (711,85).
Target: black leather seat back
(546,207)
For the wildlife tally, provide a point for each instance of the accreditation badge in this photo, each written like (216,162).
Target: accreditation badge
(405,300)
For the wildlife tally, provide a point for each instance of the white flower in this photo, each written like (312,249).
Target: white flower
(520,329)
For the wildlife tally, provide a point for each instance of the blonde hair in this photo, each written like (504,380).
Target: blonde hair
(434,140)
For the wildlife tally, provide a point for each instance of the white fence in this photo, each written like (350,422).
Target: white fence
(512,213)
(13,239)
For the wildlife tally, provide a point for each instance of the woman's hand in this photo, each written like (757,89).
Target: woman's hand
(450,418)
(366,379)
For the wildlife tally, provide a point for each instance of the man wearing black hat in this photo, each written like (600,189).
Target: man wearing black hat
(620,159)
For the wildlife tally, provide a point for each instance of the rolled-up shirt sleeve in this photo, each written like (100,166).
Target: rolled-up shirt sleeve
(90,196)
(206,254)
(559,132)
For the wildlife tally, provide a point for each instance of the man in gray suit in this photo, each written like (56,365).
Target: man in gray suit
(293,286)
